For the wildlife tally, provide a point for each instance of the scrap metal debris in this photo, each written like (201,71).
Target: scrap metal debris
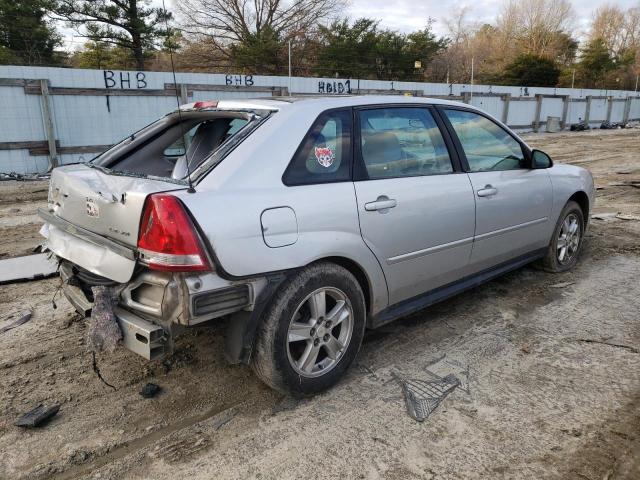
(37,416)
(29,267)
(624,216)
(104,332)
(443,366)
(423,397)
(19,318)
(150,390)
(22,177)
(605,216)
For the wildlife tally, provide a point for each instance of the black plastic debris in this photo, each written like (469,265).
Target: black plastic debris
(423,397)
(149,390)
(16,319)
(579,127)
(37,416)
(611,125)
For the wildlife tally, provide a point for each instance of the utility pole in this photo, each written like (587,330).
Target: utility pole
(472,59)
(636,83)
(573,77)
(289,67)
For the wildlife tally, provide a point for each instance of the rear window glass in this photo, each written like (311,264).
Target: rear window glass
(325,153)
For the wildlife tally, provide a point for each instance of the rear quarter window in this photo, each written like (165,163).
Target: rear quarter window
(324,155)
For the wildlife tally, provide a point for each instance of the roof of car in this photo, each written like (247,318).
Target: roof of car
(327,102)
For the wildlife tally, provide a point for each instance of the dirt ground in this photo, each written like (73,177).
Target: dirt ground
(554,374)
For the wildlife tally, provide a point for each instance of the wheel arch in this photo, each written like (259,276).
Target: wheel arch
(582,199)
(241,330)
(357,271)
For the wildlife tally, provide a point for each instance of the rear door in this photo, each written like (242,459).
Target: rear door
(416,208)
(513,201)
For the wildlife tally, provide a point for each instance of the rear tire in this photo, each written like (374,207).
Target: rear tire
(566,241)
(311,331)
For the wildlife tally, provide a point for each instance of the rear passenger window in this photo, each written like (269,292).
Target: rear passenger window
(325,153)
(402,142)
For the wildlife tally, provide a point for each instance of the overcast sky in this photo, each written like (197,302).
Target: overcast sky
(408,15)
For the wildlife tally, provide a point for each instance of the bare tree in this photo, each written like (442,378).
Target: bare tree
(532,26)
(227,23)
(618,29)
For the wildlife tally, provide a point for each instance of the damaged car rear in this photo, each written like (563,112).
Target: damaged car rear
(116,222)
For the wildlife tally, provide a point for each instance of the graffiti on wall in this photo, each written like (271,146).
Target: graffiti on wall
(124,79)
(337,86)
(239,80)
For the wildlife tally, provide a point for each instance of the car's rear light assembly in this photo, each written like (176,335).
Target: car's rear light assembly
(168,239)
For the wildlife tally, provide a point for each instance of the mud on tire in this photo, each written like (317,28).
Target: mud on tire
(277,349)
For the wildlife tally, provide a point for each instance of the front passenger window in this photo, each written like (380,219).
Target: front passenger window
(487,146)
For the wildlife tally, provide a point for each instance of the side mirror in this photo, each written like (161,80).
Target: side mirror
(539,159)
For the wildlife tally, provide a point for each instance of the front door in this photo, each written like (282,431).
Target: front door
(416,211)
(513,201)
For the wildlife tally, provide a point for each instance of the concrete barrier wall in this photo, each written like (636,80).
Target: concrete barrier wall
(54,116)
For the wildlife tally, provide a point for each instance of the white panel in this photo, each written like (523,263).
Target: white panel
(598,111)
(94,120)
(551,107)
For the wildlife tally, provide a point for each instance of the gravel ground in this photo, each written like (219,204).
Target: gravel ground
(554,374)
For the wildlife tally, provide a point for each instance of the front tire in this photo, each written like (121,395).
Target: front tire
(566,242)
(311,332)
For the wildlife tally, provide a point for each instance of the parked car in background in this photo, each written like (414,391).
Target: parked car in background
(306,221)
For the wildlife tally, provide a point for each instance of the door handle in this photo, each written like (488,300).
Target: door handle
(487,191)
(382,204)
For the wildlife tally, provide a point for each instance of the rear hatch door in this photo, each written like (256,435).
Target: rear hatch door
(93,217)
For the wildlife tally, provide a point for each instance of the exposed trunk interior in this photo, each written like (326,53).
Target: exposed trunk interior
(164,148)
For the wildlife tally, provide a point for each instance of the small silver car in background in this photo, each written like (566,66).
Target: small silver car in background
(306,221)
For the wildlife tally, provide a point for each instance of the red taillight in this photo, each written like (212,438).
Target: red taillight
(205,104)
(168,239)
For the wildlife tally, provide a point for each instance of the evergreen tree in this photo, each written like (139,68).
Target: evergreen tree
(26,37)
(130,24)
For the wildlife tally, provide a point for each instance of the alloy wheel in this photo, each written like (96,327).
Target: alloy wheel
(319,332)
(568,239)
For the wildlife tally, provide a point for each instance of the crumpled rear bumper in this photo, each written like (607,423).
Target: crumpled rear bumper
(153,306)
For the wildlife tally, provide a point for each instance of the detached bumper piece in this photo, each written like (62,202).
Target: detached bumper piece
(140,336)
(76,296)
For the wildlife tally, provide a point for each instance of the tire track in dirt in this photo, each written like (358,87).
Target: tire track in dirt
(142,443)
